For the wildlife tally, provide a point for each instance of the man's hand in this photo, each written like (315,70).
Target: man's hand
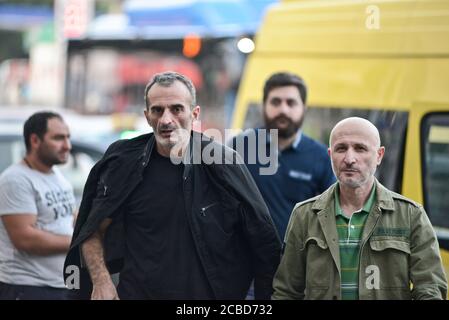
(93,252)
(105,290)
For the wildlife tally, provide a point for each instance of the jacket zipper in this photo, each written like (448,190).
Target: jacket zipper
(203,210)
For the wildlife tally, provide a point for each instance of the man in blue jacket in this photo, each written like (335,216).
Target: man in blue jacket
(174,226)
(303,167)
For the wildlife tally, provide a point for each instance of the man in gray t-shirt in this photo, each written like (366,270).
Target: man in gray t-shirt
(36,210)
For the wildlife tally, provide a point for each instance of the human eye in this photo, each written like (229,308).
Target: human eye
(292,102)
(177,108)
(360,148)
(340,148)
(275,102)
(156,110)
(58,137)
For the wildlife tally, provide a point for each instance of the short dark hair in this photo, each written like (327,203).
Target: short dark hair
(37,124)
(166,79)
(282,79)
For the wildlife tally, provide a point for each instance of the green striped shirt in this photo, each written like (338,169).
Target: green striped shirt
(350,234)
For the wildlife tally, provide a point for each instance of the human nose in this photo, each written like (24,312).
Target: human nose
(284,108)
(349,157)
(67,144)
(166,117)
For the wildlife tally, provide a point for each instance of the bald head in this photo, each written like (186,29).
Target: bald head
(354,147)
(356,126)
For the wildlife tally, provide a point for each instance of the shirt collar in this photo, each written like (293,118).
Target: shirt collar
(295,143)
(366,207)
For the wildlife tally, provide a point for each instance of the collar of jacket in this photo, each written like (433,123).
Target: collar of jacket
(145,156)
(193,150)
(325,210)
(384,198)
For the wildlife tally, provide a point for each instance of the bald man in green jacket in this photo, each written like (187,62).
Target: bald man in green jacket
(359,240)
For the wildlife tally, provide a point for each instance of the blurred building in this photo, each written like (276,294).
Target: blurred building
(108,68)
(100,63)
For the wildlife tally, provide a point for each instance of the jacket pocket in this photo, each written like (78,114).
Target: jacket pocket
(391,257)
(315,241)
(205,209)
(381,245)
(319,265)
(218,217)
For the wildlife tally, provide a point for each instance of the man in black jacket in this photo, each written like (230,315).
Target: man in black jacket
(175,224)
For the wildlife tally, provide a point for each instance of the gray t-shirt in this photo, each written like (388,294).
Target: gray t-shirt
(50,197)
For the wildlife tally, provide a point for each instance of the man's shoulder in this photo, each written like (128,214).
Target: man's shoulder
(247,133)
(318,202)
(303,212)
(400,198)
(16,190)
(250,131)
(386,195)
(136,141)
(14,173)
(125,144)
(314,144)
(62,179)
(227,154)
(306,204)
(407,208)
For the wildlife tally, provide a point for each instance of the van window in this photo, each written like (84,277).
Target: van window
(392,126)
(435,139)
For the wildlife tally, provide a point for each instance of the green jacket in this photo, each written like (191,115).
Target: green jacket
(399,252)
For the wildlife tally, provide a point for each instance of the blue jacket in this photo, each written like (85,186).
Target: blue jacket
(304,171)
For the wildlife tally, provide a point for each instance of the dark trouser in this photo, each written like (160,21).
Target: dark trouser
(22,292)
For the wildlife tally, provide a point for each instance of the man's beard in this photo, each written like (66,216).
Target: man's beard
(284,133)
(49,159)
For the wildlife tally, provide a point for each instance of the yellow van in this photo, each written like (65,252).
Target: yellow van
(387,61)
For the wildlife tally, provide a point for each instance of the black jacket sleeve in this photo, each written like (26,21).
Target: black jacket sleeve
(263,239)
(86,225)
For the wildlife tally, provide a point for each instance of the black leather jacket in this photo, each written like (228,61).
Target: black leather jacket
(229,220)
